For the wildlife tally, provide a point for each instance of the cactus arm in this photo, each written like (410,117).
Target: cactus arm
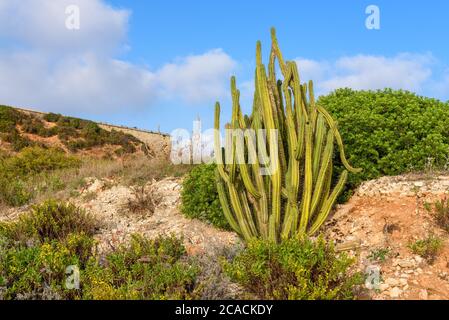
(241,218)
(322,179)
(217,145)
(328,204)
(307,191)
(262,87)
(240,154)
(248,213)
(320,132)
(333,127)
(312,105)
(225,205)
(278,52)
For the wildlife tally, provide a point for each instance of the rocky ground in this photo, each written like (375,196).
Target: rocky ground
(387,215)
(110,206)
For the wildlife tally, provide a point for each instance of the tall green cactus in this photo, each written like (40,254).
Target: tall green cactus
(295,197)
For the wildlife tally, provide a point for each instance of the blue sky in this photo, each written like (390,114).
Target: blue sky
(161,64)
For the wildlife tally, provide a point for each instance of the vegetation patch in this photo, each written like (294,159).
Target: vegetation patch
(76,134)
(294,269)
(49,221)
(389,132)
(36,251)
(428,248)
(18,173)
(440,212)
(200,197)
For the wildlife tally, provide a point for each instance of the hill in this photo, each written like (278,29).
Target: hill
(21,128)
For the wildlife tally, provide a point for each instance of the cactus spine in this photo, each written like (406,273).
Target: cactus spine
(295,198)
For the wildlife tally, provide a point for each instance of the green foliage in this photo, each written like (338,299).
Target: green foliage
(27,270)
(440,212)
(36,250)
(76,134)
(294,270)
(428,248)
(52,117)
(145,269)
(389,132)
(379,254)
(200,198)
(49,221)
(9,117)
(35,160)
(17,172)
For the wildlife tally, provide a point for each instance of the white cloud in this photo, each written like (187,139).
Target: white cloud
(41,24)
(362,72)
(46,66)
(197,78)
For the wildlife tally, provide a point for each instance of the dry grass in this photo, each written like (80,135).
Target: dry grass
(134,170)
(143,201)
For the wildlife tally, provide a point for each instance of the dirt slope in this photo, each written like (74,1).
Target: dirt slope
(388,214)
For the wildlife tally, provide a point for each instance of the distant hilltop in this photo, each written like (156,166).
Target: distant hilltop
(21,127)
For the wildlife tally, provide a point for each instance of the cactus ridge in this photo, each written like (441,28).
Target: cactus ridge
(294,196)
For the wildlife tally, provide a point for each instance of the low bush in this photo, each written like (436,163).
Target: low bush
(428,248)
(51,220)
(143,201)
(389,132)
(18,172)
(294,269)
(200,197)
(440,212)
(34,160)
(27,271)
(144,270)
(37,249)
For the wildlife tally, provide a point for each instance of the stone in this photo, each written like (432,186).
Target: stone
(407,264)
(392,282)
(384,286)
(418,259)
(419,184)
(403,281)
(395,293)
(423,294)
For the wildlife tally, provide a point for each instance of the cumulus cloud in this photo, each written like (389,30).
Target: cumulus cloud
(363,72)
(47,66)
(197,78)
(41,24)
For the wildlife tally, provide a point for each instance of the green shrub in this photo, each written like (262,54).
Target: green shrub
(440,212)
(428,248)
(389,132)
(200,197)
(145,269)
(14,193)
(380,254)
(18,173)
(36,250)
(35,160)
(9,117)
(49,221)
(52,117)
(28,270)
(293,269)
